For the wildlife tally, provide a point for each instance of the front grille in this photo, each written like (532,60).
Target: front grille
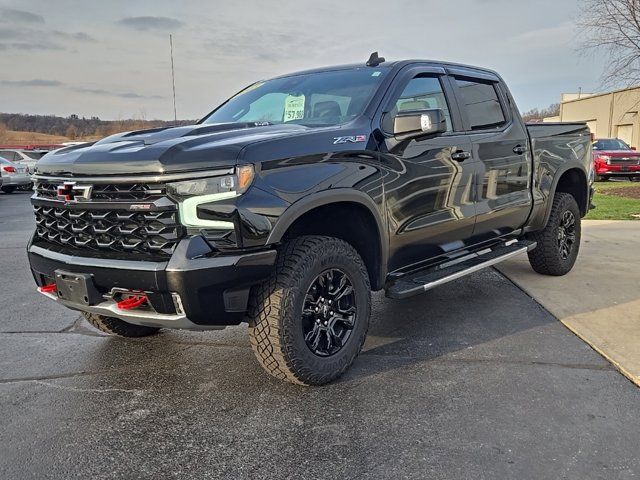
(150,233)
(624,161)
(108,192)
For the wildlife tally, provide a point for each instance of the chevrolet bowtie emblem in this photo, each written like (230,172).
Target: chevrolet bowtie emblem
(71,193)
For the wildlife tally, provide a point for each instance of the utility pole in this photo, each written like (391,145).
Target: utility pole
(173,80)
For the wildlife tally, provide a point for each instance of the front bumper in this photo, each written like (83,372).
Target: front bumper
(195,289)
(618,171)
(634,173)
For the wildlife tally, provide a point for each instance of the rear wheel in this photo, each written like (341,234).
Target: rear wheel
(120,328)
(559,242)
(308,322)
(9,189)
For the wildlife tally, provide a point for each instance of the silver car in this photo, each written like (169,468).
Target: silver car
(24,157)
(14,175)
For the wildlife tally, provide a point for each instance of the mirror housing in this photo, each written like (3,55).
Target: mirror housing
(417,124)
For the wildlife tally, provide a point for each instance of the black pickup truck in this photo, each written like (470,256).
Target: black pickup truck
(292,201)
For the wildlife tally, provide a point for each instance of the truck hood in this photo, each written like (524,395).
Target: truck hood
(163,150)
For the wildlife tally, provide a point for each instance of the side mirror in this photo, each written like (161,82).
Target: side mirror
(632,148)
(416,124)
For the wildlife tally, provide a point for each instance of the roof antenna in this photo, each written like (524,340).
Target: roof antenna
(374,60)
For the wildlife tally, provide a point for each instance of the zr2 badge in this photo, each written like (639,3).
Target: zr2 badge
(350,139)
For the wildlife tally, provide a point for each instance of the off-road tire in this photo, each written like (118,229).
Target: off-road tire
(120,328)
(9,189)
(546,258)
(275,311)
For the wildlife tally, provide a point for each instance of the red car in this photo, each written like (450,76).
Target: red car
(614,158)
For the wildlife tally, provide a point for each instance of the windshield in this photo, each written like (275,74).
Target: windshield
(610,144)
(314,99)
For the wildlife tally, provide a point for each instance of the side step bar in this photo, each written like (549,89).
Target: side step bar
(427,279)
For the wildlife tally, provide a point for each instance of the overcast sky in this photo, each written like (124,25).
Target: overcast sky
(110,58)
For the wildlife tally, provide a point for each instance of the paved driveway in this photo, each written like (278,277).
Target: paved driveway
(600,299)
(472,380)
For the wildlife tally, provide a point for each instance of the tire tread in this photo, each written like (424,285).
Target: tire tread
(271,343)
(544,259)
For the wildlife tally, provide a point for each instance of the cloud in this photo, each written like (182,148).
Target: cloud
(10,15)
(268,47)
(30,46)
(100,91)
(23,38)
(11,33)
(150,23)
(37,82)
(80,36)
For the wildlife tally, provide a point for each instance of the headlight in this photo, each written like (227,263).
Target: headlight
(236,183)
(191,193)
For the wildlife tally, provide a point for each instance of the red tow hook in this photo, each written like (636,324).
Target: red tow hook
(51,288)
(132,302)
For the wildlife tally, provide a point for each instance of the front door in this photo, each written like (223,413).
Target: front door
(428,183)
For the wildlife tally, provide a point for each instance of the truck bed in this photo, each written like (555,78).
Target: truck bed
(552,129)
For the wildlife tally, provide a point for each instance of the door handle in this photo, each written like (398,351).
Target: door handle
(460,155)
(519,149)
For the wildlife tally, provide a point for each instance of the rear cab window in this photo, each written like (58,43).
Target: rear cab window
(480,100)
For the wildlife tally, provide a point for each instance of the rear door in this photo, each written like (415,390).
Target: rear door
(500,144)
(429,193)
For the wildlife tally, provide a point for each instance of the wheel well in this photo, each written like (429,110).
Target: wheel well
(347,221)
(574,182)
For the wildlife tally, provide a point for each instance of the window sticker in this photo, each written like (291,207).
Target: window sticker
(293,108)
(376,74)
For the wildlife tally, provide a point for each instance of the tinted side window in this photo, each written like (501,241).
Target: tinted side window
(480,100)
(422,93)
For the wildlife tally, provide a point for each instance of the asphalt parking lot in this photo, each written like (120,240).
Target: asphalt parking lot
(472,380)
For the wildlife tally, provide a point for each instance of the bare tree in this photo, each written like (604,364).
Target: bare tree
(536,115)
(612,27)
(72,132)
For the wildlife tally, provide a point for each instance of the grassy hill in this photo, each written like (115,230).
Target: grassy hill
(17,137)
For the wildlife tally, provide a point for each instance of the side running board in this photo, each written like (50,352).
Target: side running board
(427,279)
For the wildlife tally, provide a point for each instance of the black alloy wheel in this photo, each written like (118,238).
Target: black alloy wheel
(566,234)
(329,313)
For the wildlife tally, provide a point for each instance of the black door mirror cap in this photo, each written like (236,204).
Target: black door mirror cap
(417,124)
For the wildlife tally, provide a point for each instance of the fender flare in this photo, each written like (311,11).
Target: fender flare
(327,197)
(554,185)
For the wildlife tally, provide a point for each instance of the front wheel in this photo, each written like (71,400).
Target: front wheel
(634,178)
(308,322)
(602,178)
(559,242)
